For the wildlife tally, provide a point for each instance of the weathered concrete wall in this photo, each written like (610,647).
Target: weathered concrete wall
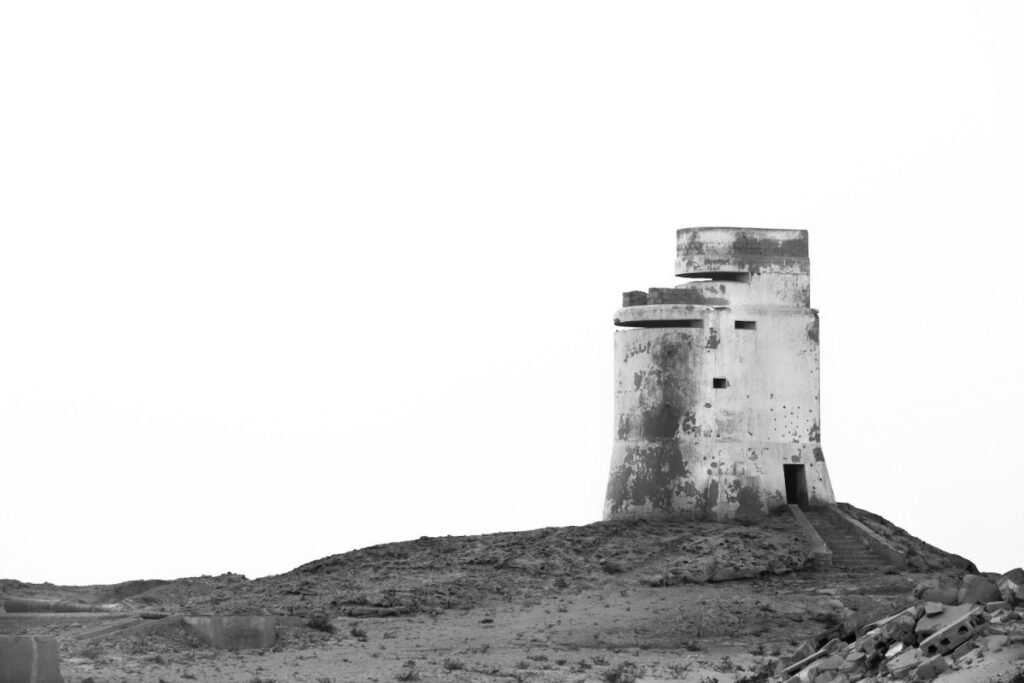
(29,659)
(712,400)
(234,632)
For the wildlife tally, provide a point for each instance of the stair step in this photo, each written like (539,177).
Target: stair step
(848,550)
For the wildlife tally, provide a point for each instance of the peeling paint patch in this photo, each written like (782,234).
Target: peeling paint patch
(819,455)
(649,474)
(638,380)
(689,423)
(795,458)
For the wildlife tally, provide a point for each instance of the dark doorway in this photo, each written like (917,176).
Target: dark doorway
(796,485)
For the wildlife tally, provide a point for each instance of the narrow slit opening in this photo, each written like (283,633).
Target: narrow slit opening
(719,276)
(746,324)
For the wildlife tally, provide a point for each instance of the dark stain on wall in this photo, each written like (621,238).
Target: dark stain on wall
(749,503)
(749,243)
(775,499)
(650,473)
(814,436)
(692,296)
(625,427)
(819,455)
(693,244)
(660,423)
(812,330)
(689,423)
(712,495)
(713,340)
(638,380)
(749,252)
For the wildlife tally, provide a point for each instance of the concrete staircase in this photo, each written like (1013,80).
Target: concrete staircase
(848,549)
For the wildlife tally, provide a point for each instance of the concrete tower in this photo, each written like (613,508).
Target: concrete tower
(716,383)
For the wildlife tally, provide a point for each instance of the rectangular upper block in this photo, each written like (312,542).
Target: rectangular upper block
(701,252)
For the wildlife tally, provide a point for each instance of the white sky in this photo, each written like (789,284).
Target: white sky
(280,280)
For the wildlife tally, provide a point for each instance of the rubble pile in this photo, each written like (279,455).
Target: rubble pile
(951,624)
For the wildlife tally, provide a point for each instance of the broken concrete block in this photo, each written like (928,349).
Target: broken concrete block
(938,589)
(932,608)
(901,629)
(928,625)
(234,632)
(895,649)
(805,650)
(1004,617)
(830,677)
(873,642)
(1015,575)
(931,668)
(29,658)
(1011,585)
(834,645)
(994,643)
(950,637)
(977,589)
(964,649)
(830,663)
(997,605)
(902,664)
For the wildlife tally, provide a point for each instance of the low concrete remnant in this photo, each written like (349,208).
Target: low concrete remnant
(903,663)
(977,589)
(951,637)
(233,632)
(1011,586)
(29,658)
(15,604)
(930,624)
(931,668)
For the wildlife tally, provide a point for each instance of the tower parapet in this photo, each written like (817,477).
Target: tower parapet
(716,383)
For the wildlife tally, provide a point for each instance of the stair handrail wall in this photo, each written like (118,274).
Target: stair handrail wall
(868,536)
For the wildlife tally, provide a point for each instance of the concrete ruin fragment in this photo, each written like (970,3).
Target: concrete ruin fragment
(25,659)
(716,383)
(952,636)
(918,643)
(233,632)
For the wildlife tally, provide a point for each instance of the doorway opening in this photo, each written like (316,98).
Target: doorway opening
(796,485)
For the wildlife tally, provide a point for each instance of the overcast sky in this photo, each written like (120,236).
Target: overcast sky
(281,280)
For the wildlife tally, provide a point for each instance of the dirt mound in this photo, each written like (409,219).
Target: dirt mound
(432,574)
(676,600)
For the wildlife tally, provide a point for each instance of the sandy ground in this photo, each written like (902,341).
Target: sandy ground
(687,632)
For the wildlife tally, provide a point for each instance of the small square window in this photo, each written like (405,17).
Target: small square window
(719,383)
(746,324)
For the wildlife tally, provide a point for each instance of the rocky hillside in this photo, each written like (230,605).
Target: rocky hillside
(434,574)
(607,601)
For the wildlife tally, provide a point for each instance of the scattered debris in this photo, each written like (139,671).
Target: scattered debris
(922,641)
